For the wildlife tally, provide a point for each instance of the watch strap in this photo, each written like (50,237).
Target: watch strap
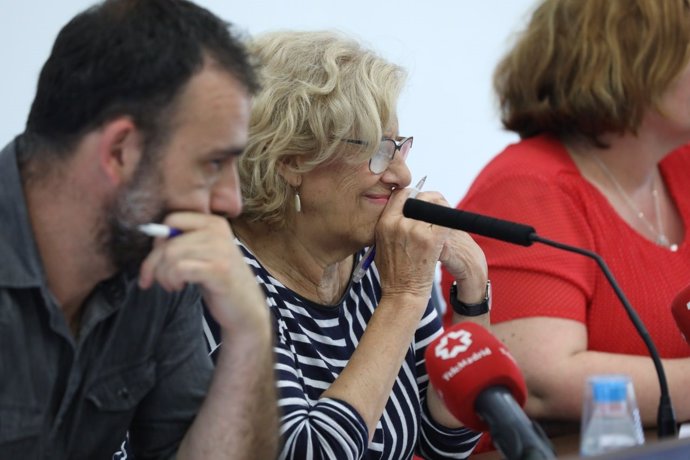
(465,309)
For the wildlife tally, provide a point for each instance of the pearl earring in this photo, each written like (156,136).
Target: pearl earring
(298,202)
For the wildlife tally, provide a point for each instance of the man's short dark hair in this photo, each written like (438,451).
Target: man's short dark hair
(128,57)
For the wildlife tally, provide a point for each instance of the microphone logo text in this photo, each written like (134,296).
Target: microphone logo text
(463,363)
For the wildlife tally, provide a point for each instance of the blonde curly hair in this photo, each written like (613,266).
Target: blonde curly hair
(318,88)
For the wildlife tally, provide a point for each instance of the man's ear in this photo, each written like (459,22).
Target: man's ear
(288,168)
(120,148)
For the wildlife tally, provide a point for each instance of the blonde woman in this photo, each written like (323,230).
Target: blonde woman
(323,178)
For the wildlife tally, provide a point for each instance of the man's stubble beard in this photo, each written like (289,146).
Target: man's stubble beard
(138,202)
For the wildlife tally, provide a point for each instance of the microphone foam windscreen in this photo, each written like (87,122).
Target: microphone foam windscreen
(504,230)
(680,307)
(466,360)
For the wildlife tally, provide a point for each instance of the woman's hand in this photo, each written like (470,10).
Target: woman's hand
(408,250)
(465,261)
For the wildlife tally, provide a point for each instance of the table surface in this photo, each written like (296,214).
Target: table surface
(566,446)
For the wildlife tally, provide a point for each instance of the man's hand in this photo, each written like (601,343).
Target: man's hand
(205,254)
(238,418)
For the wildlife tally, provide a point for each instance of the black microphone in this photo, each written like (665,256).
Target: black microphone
(467,221)
(525,235)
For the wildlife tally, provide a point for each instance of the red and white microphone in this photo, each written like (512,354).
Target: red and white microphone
(482,386)
(680,307)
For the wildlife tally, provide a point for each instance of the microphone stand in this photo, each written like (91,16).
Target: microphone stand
(666,420)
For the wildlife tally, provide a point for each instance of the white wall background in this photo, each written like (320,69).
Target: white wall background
(449,47)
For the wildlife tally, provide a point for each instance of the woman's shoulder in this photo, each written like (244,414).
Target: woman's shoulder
(679,158)
(538,155)
(536,165)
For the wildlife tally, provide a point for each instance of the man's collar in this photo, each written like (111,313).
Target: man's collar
(21,263)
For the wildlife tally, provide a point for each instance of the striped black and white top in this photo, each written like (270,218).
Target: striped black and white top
(313,345)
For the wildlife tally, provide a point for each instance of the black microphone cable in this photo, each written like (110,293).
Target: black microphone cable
(665,419)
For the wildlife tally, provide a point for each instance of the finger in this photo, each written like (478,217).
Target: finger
(189,222)
(148,266)
(203,244)
(432,196)
(174,276)
(165,264)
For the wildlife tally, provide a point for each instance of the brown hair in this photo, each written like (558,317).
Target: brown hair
(583,68)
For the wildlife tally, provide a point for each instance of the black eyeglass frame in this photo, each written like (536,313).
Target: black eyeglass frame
(398,142)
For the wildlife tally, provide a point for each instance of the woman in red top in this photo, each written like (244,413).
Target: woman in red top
(599,92)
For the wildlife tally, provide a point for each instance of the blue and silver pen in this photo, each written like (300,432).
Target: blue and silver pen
(159,230)
(368,258)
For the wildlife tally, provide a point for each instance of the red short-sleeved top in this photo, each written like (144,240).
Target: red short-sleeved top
(536,182)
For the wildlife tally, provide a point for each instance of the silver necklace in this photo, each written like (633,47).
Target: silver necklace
(660,236)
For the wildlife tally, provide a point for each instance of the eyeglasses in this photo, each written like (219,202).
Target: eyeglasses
(383,156)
